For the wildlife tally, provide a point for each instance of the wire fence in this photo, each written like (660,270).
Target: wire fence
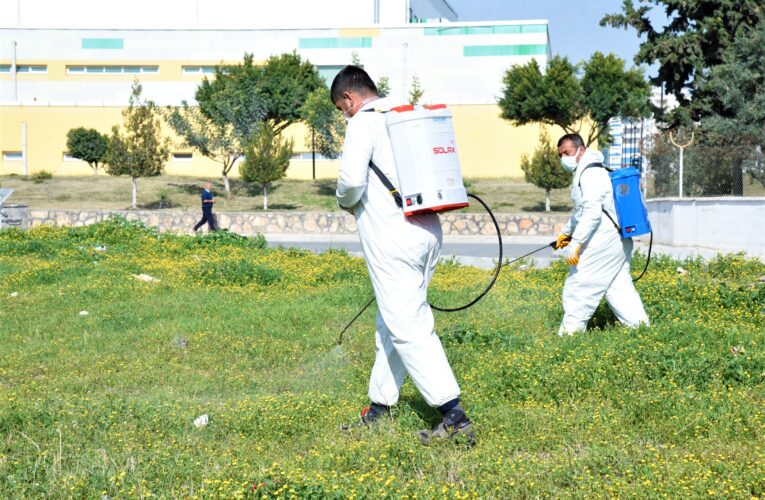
(684,168)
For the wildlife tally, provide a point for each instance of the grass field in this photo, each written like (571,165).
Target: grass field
(113,193)
(103,404)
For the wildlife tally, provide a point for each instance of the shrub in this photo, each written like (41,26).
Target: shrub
(41,175)
(225,238)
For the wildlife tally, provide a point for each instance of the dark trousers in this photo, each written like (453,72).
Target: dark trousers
(209,218)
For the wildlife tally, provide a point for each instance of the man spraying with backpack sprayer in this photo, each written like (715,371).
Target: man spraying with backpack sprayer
(593,243)
(401,251)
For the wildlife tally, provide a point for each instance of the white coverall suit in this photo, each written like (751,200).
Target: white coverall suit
(401,254)
(604,258)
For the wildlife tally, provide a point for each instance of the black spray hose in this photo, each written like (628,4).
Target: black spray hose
(494,277)
(648,260)
(496,270)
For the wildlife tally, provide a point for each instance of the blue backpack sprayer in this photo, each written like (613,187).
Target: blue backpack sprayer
(631,213)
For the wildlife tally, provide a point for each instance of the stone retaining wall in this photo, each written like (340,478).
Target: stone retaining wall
(249,223)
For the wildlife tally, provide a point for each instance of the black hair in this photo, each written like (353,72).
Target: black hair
(575,139)
(351,79)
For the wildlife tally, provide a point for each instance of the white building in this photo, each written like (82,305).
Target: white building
(69,64)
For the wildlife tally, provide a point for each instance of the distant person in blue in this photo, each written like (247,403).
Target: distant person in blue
(207,206)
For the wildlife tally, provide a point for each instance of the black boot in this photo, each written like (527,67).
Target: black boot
(454,426)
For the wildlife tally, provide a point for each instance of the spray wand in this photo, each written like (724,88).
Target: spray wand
(499,266)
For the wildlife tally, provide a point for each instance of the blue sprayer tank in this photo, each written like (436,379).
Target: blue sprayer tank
(630,208)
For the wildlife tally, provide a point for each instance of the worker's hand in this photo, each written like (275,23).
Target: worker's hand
(563,240)
(572,254)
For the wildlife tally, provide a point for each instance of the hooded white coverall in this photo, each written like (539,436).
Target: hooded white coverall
(401,254)
(604,259)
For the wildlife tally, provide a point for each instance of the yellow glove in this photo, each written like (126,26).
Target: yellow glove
(563,240)
(572,254)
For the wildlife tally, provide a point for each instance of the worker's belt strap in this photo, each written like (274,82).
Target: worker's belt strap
(601,165)
(387,183)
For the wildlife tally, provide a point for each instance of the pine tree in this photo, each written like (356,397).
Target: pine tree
(266,158)
(383,86)
(415,91)
(544,169)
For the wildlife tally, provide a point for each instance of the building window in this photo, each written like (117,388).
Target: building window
(359,42)
(182,157)
(198,70)
(68,157)
(306,156)
(12,156)
(24,68)
(75,70)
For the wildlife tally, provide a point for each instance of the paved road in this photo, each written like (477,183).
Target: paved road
(480,251)
(471,250)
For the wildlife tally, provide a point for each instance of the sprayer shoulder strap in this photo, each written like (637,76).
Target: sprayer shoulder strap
(601,165)
(387,183)
(379,173)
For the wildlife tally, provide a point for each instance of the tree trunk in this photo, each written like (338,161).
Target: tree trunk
(226,185)
(547,200)
(135,191)
(265,197)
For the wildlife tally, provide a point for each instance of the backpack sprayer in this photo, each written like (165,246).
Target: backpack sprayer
(424,138)
(631,212)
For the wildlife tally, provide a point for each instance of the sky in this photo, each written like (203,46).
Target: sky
(574,26)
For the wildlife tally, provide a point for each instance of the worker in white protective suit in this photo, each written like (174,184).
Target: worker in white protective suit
(593,246)
(401,254)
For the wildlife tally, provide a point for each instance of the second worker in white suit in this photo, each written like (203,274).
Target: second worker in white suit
(593,246)
(401,254)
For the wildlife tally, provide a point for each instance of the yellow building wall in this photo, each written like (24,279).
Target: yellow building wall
(488,146)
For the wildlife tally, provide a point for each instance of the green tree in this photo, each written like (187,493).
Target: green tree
(415,91)
(696,36)
(552,98)
(731,98)
(383,86)
(230,108)
(266,158)
(731,95)
(217,139)
(243,95)
(325,123)
(560,97)
(140,151)
(544,169)
(286,82)
(709,55)
(355,59)
(88,145)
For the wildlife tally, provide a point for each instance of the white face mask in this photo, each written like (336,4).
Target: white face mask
(569,163)
(347,113)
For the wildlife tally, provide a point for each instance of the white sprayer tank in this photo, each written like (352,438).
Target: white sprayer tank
(429,175)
